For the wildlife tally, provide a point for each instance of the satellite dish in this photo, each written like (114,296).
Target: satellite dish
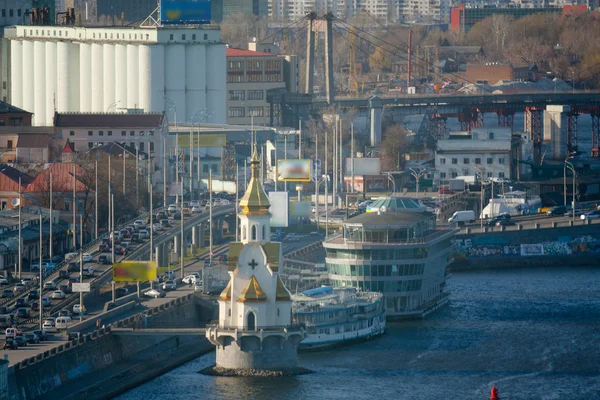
(254,39)
(383,209)
(16,202)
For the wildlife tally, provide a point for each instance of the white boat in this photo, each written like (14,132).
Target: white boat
(335,316)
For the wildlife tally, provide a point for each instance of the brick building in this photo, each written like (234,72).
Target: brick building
(491,73)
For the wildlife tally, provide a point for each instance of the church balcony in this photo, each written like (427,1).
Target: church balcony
(217,333)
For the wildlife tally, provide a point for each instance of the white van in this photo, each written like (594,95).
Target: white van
(62,322)
(11,332)
(460,217)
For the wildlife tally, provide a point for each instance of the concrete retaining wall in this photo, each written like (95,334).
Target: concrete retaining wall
(95,351)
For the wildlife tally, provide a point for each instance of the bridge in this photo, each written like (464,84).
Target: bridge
(542,110)
(158,331)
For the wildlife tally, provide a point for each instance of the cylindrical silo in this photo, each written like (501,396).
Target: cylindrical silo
(121,75)
(152,77)
(109,77)
(216,78)
(133,77)
(85,77)
(97,93)
(74,77)
(51,77)
(16,73)
(64,76)
(175,74)
(195,78)
(39,76)
(28,60)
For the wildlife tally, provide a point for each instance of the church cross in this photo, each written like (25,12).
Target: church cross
(253,263)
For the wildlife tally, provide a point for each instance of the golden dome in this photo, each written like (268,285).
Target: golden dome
(255,201)
(252,292)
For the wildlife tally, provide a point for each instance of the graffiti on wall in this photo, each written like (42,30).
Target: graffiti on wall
(471,248)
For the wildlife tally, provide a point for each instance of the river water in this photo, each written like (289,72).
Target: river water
(533,332)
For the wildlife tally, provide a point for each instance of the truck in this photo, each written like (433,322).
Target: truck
(468,179)
(460,217)
(456,185)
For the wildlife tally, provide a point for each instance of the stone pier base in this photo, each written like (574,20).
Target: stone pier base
(219,371)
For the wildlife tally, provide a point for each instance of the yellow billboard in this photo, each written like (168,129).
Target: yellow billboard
(293,170)
(134,271)
(202,140)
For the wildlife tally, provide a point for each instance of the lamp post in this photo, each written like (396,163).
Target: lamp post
(18,203)
(41,244)
(174,107)
(572,168)
(480,197)
(418,175)
(569,156)
(81,308)
(237,190)
(210,219)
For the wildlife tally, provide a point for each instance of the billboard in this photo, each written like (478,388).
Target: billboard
(81,287)
(202,140)
(363,166)
(300,209)
(293,170)
(184,12)
(279,209)
(134,271)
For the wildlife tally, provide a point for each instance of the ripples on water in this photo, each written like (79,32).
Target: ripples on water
(533,332)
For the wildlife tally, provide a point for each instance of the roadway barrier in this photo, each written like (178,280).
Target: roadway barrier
(91,322)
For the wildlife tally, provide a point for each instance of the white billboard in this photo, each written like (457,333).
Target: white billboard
(81,287)
(280,209)
(364,166)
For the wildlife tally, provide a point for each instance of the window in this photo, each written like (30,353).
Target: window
(478,161)
(206,36)
(466,160)
(465,171)
(500,174)
(501,161)
(132,145)
(90,133)
(442,161)
(67,205)
(491,135)
(256,111)
(90,145)
(9,144)
(151,146)
(455,161)
(237,95)
(255,94)
(489,175)
(272,77)
(215,168)
(194,36)
(453,174)
(183,37)
(235,66)
(229,312)
(253,232)
(100,133)
(254,66)
(71,133)
(19,12)
(490,161)
(123,133)
(273,66)
(205,168)
(141,146)
(4,12)
(254,77)
(109,133)
(237,112)
(234,78)
(11,13)
(171,37)
(442,175)
(132,133)
(263,237)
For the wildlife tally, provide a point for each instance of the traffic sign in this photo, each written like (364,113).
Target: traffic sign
(81,287)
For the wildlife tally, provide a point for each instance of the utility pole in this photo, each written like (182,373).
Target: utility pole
(352,154)
(210,219)
(329,58)
(310,53)
(409,58)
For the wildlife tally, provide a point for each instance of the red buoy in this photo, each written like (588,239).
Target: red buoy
(494,395)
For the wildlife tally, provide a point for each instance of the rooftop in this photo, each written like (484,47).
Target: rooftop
(390,218)
(35,141)
(6,108)
(108,120)
(232,52)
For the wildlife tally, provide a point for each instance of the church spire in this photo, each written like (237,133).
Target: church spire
(255,200)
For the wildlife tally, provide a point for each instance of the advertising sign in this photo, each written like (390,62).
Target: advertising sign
(202,140)
(81,287)
(300,209)
(279,209)
(134,271)
(184,12)
(293,170)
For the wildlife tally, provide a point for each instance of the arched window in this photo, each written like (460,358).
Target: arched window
(243,234)
(253,232)
(230,312)
(263,237)
(278,312)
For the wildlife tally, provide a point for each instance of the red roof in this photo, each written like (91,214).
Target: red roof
(231,52)
(62,179)
(69,147)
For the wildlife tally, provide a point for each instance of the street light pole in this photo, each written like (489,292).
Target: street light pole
(182,244)
(50,211)
(41,273)
(237,181)
(210,219)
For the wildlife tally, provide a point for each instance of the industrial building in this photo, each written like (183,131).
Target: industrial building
(178,70)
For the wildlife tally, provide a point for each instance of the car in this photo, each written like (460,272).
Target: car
(169,285)
(31,338)
(198,286)
(173,208)
(176,216)
(3,281)
(22,312)
(165,223)
(88,272)
(6,293)
(27,281)
(207,262)
(63,274)
(87,257)
(73,267)
(225,202)
(557,210)
(46,301)
(115,235)
(50,320)
(139,224)
(104,248)
(64,313)
(578,212)
(20,341)
(505,222)
(590,215)
(156,293)
(19,288)
(57,259)
(74,279)
(196,209)
(66,289)
(157,227)
(170,275)
(12,332)
(58,294)
(50,285)
(121,291)
(41,334)
(125,234)
(33,294)
(194,203)
(445,191)
(35,306)
(78,309)
(70,256)
(161,215)
(215,291)
(48,327)
(20,302)
(10,344)
(144,233)
(120,250)
(104,259)
(193,278)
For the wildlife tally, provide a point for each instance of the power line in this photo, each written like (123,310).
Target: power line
(358,47)
(284,28)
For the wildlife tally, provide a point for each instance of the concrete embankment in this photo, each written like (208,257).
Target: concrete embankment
(579,245)
(102,364)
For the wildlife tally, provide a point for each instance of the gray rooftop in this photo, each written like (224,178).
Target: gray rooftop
(390,218)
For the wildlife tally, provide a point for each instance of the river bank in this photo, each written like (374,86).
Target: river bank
(507,262)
